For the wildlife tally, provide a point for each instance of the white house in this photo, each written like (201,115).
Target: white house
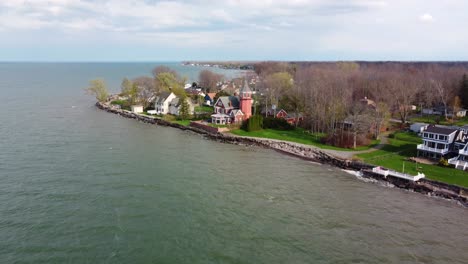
(438,142)
(137,109)
(175,104)
(162,101)
(418,127)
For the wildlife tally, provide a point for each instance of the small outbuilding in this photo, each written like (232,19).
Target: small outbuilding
(137,109)
(418,127)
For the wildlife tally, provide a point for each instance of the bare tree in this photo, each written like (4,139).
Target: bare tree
(209,80)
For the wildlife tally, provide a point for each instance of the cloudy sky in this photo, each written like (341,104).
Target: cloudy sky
(130,30)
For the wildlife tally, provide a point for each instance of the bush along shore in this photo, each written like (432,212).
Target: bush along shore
(424,186)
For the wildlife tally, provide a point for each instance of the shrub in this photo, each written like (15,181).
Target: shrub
(169,118)
(124,104)
(254,123)
(443,162)
(277,123)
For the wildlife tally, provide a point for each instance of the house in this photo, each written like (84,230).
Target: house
(281,113)
(233,109)
(438,142)
(137,109)
(161,103)
(440,110)
(175,105)
(418,127)
(209,99)
(447,142)
(460,161)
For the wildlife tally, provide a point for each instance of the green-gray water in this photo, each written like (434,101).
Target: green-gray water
(79,185)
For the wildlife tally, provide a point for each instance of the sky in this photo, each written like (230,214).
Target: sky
(317,30)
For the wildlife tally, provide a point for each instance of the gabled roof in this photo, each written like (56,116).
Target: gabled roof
(162,97)
(236,112)
(211,95)
(440,130)
(229,101)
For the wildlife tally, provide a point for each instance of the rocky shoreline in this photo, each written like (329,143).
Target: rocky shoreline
(424,186)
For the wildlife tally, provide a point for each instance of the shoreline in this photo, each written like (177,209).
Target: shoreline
(313,154)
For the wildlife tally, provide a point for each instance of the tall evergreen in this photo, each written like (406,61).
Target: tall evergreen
(184,112)
(464,90)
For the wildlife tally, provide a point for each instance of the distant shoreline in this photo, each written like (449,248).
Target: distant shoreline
(226,65)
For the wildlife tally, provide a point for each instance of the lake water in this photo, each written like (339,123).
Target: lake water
(79,185)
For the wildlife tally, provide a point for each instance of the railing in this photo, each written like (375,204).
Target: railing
(463,152)
(436,150)
(385,173)
(459,164)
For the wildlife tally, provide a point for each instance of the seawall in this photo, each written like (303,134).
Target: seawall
(424,186)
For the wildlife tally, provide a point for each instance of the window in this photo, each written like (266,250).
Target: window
(425,135)
(431,135)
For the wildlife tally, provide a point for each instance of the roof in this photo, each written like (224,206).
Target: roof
(419,124)
(211,95)
(235,112)
(440,130)
(230,101)
(162,97)
(245,88)
(175,102)
(220,115)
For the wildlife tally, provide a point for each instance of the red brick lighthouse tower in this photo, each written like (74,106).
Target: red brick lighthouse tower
(246,101)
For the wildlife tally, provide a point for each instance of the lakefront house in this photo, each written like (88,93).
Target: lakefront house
(175,105)
(445,142)
(162,101)
(233,109)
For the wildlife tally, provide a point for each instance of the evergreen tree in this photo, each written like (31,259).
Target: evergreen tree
(184,112)
(464,91)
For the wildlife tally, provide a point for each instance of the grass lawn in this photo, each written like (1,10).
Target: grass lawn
(182,122)
(393,156)
(204,109)
(430,119)
(298,136)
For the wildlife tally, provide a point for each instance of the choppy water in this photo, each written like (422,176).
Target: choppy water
(78,185)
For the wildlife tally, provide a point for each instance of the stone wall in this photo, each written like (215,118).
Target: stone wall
(311,153)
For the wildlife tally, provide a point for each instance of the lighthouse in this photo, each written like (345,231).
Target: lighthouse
(246,101)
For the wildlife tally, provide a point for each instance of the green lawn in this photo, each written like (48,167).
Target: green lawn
(204,109)
(393,156)
(298,136)
(430,119)
(182,122)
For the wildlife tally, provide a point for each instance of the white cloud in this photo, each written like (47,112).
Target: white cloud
(426,18)
(312,26)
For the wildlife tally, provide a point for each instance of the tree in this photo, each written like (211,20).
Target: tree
(464,90)
(126,86)
(129,89)
(144,89)
(359,117)
(166,81)
(98,88)
(278,84)
(219,94)
(209,80)
(456,106)
(184,112)
(164,69)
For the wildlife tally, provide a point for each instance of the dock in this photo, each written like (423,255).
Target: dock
(385,172)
